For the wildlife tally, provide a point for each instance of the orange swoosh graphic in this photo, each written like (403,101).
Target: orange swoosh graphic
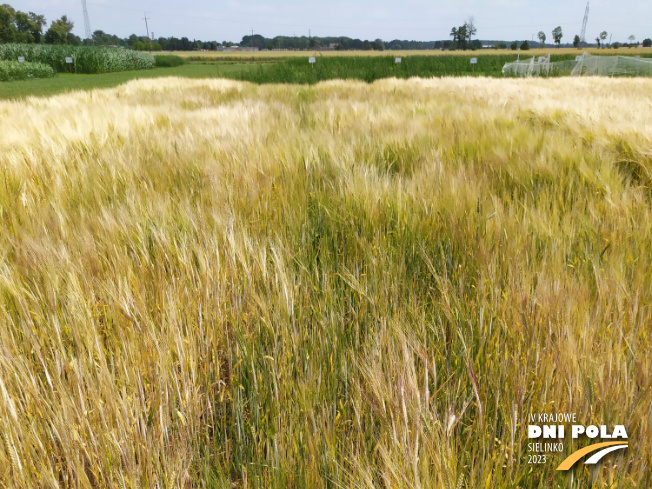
(574,457)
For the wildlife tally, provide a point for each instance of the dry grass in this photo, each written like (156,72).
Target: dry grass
(211,283)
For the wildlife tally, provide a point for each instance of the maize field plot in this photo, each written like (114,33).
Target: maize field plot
(85,59)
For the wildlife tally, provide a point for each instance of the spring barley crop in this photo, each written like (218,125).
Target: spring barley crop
(209,283)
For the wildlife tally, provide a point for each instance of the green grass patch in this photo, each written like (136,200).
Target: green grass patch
(299,70)
(168,60)
(68,83)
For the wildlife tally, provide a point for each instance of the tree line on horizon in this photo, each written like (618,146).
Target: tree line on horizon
(29,27)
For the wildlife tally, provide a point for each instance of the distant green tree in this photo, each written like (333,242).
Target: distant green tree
(20,27)
(24,28)
(576,41)
(542,38)
(73,40)
(58,31)
(7,27)
(647,43)
(514,46)
(631,38)
(603,37)
(454,34)
(462,36)
(146,46)
(37,24)
(525,46)
(557,34)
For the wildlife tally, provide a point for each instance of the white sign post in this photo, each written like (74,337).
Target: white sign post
(21,59)
(69,63)
(474,61)
(397,61)
(312,60)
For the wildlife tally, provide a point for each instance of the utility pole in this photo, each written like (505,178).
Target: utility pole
(584,22)
(87,22)
(148,38)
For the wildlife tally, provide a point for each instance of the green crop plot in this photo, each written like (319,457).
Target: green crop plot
(84,59)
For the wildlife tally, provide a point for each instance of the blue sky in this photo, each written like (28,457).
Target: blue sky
(365,19)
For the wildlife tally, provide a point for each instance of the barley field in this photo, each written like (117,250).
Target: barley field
(211,283)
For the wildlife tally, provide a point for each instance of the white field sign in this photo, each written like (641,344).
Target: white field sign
(474,61)
(311,60)
(69,60)
(397,61)
(21,59)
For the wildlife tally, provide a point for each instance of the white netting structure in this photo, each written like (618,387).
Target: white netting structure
(585,65)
